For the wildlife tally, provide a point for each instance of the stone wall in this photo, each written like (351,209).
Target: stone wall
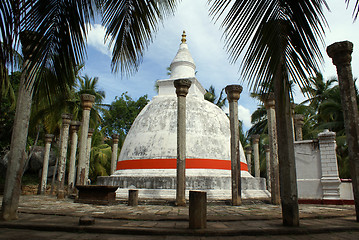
(317,169)
(307,158)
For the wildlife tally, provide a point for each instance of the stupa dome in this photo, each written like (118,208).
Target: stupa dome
(151,143)
(149,154)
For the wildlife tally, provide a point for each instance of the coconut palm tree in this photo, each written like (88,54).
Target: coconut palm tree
(88,85)
(52,35)
(283,45)
(317,89)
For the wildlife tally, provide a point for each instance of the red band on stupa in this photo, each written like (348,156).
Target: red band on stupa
(171,163)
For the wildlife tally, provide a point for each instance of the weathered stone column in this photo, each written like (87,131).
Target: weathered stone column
(88,154)
(133,197)
(269,104)
(86,101)
(268,172)
(341,52)
(75,125)
(248,151)
(115,138)
(182,86)
(255,143)
(233,94)
(66,119)
(298,124)
(45,166)
(197,210)
(328,159)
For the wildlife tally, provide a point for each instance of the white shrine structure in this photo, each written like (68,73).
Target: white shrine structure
(147,161)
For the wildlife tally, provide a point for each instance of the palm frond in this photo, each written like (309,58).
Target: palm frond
(130,29)
(254,25)
(356,8)
(55,35)
(10,21)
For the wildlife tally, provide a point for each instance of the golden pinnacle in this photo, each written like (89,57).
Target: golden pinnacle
(183,40)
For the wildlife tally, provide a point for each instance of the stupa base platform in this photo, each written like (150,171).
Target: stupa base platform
(170,194)
(159,187)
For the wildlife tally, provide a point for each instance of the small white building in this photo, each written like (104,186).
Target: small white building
(148,157)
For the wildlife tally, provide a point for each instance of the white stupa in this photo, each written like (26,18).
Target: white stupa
(148,156)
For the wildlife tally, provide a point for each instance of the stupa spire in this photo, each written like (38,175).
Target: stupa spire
(183,65)
(183,40)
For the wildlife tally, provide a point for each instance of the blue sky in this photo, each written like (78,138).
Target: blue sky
(207,49)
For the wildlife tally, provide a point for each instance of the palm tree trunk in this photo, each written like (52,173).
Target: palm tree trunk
(287,168)
(17,158)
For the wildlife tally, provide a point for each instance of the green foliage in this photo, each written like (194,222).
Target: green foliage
(309,129)
(212,97)
(100,158)
(7,113)
(324,111)
(317,89)
(121,114)
(330,116)
(87,85)
(243,137)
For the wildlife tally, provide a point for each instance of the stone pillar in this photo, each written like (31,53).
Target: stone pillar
(197,210)
(340,53)
(115,138)
(298,126)
(86,101)
(182,86)
(45,166)
(328,159)
(233,94)
(248,151)
(75,125)
(66,119)
(88,154)
(255,142)
(268,172)
(269,104)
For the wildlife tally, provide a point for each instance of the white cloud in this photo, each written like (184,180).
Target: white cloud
(245,116)
(96,39)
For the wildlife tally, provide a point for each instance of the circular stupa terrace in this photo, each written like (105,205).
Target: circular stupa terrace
(148,156)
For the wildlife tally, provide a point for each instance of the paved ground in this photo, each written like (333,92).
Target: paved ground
(45,217)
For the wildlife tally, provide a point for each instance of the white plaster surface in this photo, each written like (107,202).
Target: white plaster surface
(183,65)
(317,170)
(308,166)
(346,191)
(153,135)
(211,194)
(154,132)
